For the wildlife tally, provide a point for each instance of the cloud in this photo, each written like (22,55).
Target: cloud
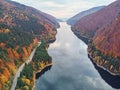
(64,8)
(52,4)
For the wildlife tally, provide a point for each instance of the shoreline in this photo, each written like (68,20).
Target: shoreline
(102,66)
(86,41)
(46,66)
(83,38)
(50,64)
(21,67)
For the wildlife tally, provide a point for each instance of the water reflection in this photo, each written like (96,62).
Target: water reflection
(38,74)
(112,80)
(72,69)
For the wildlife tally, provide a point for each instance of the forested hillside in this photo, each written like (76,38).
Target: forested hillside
(21,28)
(102,31)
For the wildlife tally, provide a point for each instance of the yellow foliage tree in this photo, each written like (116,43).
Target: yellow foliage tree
(3,79)
(27,81)
(25,88)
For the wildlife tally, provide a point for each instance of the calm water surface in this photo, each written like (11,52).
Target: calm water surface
(72,69)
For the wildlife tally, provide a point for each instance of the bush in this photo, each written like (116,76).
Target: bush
(41,54)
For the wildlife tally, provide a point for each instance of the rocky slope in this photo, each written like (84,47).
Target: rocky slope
(80,15)
(20,29)
(88,25)
(102,31)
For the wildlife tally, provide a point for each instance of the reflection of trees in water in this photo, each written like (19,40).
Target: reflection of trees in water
(112,80)
(43,71)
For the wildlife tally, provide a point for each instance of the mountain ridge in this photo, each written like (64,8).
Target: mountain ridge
(89,24)
(78,16)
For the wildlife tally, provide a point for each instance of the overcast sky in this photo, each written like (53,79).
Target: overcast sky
(64,8)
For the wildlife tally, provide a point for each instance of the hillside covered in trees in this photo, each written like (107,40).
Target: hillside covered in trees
(106,43)
(89,24)
(21,27)
(102,29)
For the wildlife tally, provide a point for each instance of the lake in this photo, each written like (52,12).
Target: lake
(72,69)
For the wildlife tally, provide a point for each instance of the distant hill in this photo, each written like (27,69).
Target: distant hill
(77,17)
(60,20)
